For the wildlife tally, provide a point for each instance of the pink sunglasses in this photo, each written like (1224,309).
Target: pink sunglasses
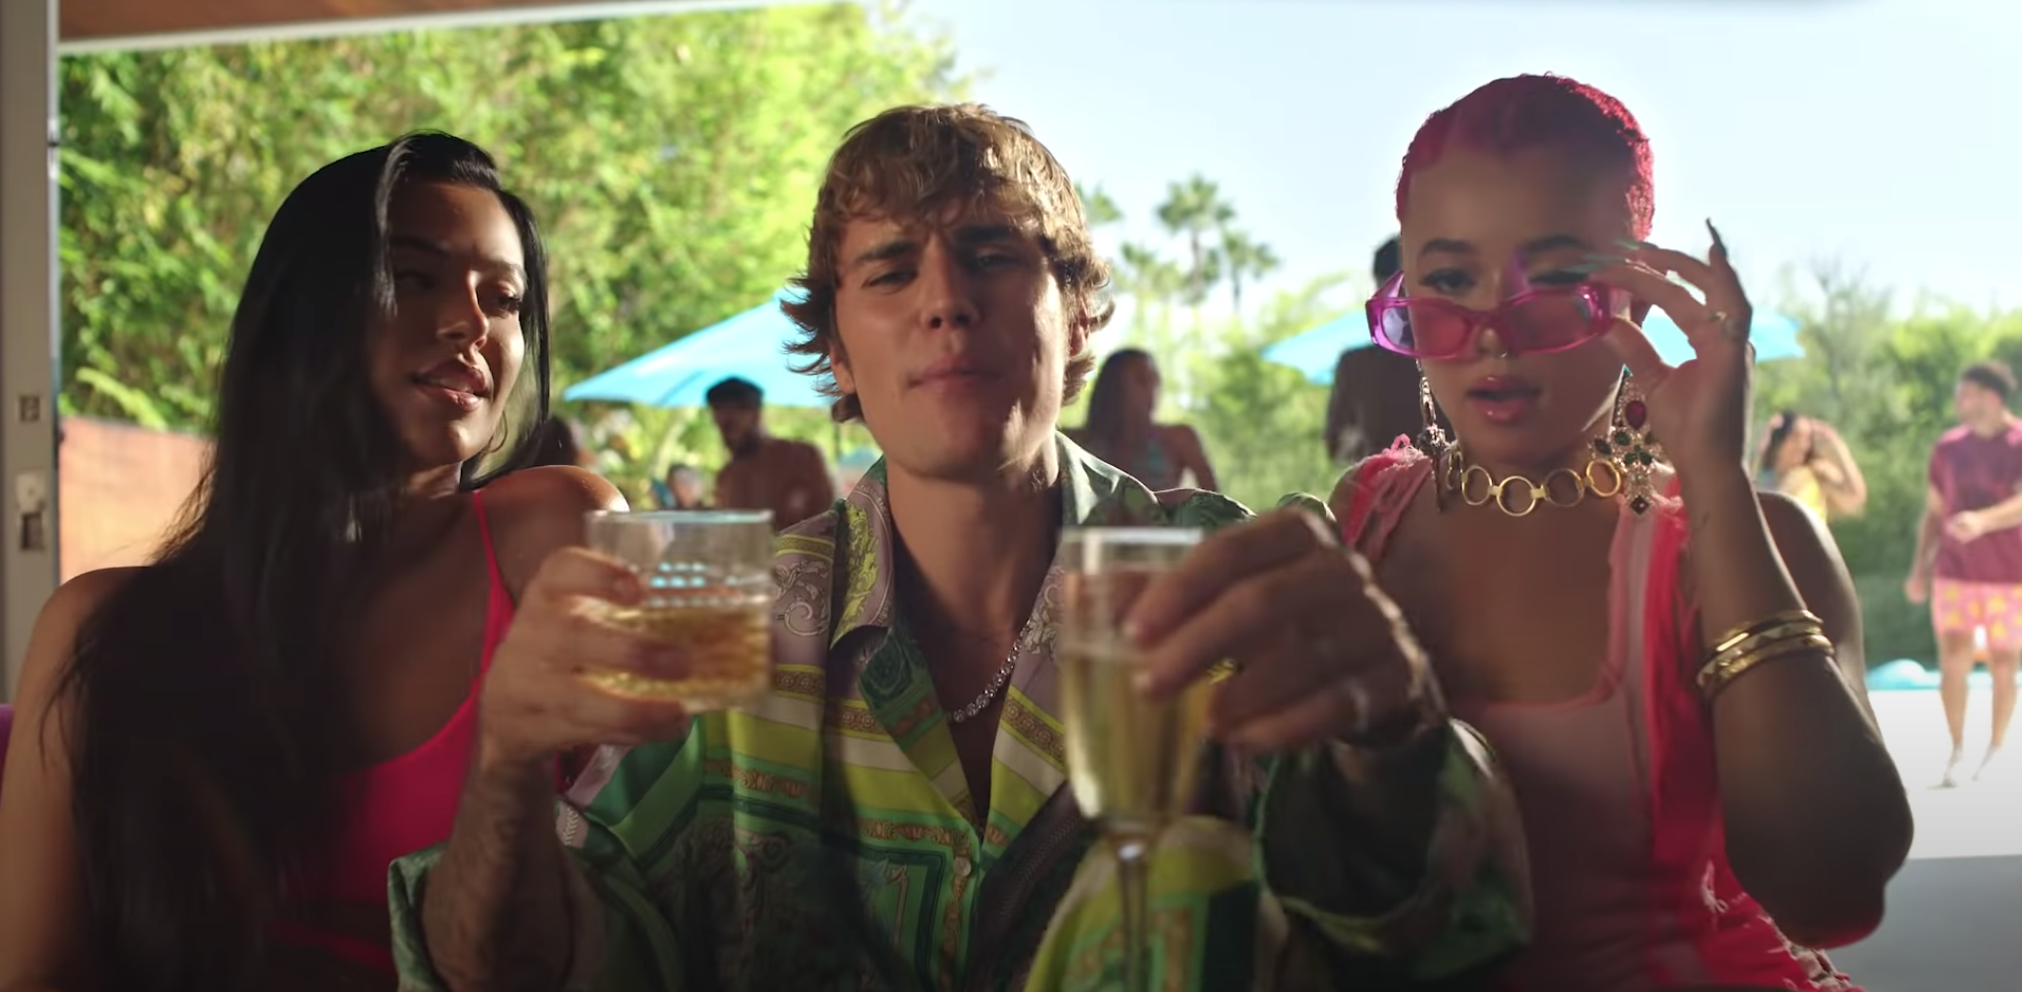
(1537,321)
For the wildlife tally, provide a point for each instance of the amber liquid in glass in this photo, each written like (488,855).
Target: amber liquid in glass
(728,649)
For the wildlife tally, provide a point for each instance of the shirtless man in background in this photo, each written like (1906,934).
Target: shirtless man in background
(1375,396)
(790,478)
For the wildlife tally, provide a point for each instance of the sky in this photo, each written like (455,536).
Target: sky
(1878,135)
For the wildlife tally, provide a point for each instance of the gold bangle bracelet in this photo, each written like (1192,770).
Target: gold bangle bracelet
(1764,638)
(1714,682)
(1718,676)
(1735,659)
(1729,640)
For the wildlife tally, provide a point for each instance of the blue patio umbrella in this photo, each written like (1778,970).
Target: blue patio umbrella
(750,345)
(1314,352)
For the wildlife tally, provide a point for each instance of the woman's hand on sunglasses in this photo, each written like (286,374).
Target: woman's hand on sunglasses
(1698,409)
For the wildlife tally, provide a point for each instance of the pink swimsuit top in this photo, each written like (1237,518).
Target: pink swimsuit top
(404,804)
(1620,802)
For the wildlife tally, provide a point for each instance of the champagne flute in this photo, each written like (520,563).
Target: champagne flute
(1132,761)
(707,577)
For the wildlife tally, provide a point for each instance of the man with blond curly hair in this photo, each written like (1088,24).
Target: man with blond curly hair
(895,814)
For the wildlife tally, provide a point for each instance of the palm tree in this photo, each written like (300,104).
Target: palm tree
(1246,258)
(1097,206)
(1195,209)
(1150,278)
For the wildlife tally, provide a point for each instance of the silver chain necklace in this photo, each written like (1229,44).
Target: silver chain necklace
(998,681)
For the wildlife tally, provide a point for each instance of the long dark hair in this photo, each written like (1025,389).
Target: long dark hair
(1781,427)
(555,444)
(1105,400)
(208,735)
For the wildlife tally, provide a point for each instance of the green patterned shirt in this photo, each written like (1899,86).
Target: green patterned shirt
(825,839)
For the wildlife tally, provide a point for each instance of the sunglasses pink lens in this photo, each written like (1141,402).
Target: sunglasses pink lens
(1553,322)
(1427,329)
(1540,323)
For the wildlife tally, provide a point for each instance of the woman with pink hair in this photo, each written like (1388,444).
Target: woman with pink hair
(1667,661)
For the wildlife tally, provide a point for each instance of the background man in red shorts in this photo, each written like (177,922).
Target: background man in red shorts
(1969,550)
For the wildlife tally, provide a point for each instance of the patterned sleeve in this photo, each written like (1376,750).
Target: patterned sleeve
(1200,508)
(1461,907)
(635,948)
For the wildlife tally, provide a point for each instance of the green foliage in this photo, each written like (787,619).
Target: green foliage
(1098,207)
(1194,210)
(634,446)
(672,161)
(1261,421)
(1244,257)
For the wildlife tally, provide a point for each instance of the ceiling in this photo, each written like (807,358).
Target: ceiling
(103,24)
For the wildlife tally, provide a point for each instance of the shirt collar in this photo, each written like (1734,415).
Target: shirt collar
(1092,492)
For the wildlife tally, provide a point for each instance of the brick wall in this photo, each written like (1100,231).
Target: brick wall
(121,486)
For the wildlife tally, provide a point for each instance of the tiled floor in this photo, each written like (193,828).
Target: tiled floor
(1955,913)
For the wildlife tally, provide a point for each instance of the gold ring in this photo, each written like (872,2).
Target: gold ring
(1733,329)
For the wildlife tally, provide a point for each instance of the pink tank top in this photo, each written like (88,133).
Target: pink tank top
(1620,803)
(404,804)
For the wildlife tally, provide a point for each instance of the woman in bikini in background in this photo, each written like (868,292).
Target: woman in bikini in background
(1804,458)
(1122,429)
(216,756)
(1668,663)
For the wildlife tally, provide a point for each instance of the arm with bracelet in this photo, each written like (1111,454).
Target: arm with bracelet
(1815,816)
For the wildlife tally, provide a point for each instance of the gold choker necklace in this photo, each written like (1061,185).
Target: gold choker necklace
(1517,495)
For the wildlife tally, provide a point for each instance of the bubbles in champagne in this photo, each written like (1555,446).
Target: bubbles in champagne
(1132,760)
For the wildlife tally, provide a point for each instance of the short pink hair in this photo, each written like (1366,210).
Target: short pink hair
(1532,111)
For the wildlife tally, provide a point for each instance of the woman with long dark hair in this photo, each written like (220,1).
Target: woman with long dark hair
(1805,459)
(217,755)
(1122,429)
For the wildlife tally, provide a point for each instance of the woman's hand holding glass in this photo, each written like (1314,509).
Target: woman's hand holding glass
(1320,653)
(538,699)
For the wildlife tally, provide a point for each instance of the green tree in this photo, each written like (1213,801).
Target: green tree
(1100,209)
(1194,209)
(672,161)
(1257,418)
(1152,281)
(1244,258)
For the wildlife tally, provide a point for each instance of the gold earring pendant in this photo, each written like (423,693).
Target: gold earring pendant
(1628,454)
(1431,440)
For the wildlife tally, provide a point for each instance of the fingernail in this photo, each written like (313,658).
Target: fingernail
(1718,245)
(1135,631)
(1634,245)
(1585,270)
(1604,258)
